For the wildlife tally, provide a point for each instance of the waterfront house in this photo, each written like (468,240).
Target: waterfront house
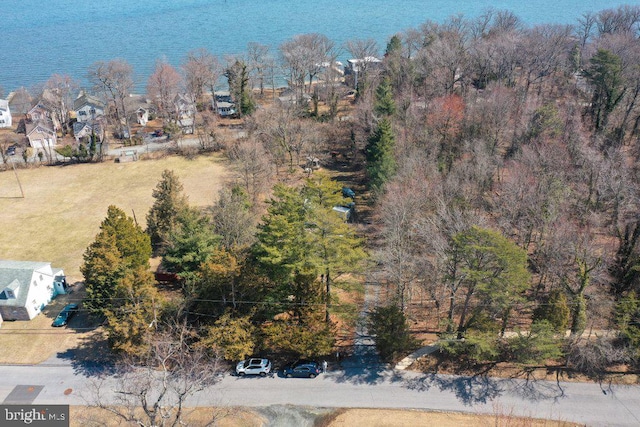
(184,107)
(86,129)
(223,104)
(5,114)
(142,116)
(26,287)
(88,107)
(41,134)
(359,67)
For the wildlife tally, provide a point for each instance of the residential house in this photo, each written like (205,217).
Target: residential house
(26,287)
(223,104)
(185,110)
(38,112)
(290,97)
(86,129)
(5,114)
(184,107)
(41,134)
(142,116)
(360,66)
(88,108)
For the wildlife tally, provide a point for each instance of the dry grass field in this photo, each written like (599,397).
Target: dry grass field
(63,206)
(239,417)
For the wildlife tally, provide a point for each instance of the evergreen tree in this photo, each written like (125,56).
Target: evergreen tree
(233,337)
(190,244)
(102,269)
(628,321)
(238,77)
(555,311)
(381,162)
(394,46)
(605,75)
(282,248)
(335,248)
(132,242)
(119,247)
(169,202)
(135,314)
(491,271)
(308,337)
(393,338)
(302,236)
(219,277)
(385,106)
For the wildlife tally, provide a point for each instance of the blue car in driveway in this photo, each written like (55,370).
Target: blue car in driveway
(62,319)
(302,369)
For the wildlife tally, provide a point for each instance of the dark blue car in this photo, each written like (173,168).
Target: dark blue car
(303,369)
(65,315)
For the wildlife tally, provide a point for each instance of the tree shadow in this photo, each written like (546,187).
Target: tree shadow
(469,390)
(370,374)
(534,391)
(481,389)
(91,357)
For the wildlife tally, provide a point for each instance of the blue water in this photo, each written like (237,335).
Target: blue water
(43,37)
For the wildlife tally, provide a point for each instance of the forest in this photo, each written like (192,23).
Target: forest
(497,193)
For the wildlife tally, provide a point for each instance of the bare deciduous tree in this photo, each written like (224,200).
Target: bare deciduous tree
(202,71)
(163,86)
(58,95)
(153,391)
(114,79)
(258,59)
(253,166)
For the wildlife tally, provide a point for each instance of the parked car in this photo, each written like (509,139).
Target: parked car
(254,366)
(157,133)
(11,150)
(303,369)
(347,192)
(62,319)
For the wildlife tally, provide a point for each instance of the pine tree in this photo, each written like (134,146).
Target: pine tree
(605,74)
(190,244)
(169,202)
(135,314)
(132,242)
(385,106)
(302,237)
(233,337)
(102,269)
(381,162)
(282,248)
(335,248)
(119,247)
(492,273)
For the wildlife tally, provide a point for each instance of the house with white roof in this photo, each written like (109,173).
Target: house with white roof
(26,287)
(5,114)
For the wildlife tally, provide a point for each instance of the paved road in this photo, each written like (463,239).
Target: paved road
(61,381)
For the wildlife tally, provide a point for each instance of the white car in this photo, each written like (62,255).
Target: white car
(254,366)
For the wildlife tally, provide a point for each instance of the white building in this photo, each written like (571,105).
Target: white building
(26,287)
(5,114)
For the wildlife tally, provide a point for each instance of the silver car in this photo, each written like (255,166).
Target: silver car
(254,366)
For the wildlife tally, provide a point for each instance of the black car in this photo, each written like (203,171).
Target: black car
(11,150)
(303,369)
(65,315)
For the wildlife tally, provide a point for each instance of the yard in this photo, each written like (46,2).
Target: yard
(63,206)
